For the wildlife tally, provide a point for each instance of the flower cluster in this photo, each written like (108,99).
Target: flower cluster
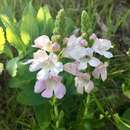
(45,60)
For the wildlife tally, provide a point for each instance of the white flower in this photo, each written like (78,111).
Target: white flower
(89,59)
(38,59)
(50,67)
(75,48)
(101,46)
(83,84)
(43,42)
(49,87)
(47,64)
(101,70)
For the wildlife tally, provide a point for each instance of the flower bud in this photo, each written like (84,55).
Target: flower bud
(55,47)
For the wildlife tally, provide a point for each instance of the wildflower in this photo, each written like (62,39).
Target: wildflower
(89,59)
(2,40)
(101,46)
(101,71)
(42,42)
(75,48)
(38,59)
(49,87)
(47,64)
(83,84)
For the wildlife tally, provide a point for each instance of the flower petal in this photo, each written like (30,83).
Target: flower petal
(48,92)
(89,87)
(39,86)
(107,54)
(104,74)
(59,90)
(43,74)
(94,62)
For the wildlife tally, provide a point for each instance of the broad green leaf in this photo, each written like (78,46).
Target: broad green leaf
(23,79)
(29,26)
(12,34)
(45,20)
(43,115)
(12,66)
(28,97)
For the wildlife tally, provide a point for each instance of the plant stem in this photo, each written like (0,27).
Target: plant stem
(100,107)
(87,106)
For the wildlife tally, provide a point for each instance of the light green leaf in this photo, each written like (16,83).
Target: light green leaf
(29,26)
(43,115)
(45,20)
(28,97)
(12,66)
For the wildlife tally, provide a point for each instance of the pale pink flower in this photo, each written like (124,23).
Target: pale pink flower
(83,84)
(75,48)
(49,87)
(39,57)
(100,71)
(47,64)
(101,46)
(72,68)
(89,59)
(42,42)
(50,67)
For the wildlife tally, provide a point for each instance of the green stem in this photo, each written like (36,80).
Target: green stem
(87,106)
(99,105)
(56,113)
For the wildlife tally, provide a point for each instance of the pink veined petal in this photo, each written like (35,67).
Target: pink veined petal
(96,73)
(94,62)
(40,55)
(89,87)
(71,68)
(48,92)
(39,86)
(79,85)
(41,41)
(104,74)
(59,90)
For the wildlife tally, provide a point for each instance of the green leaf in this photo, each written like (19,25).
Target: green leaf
(12,66)
(43,115)
(29,26)
(28,97)
(45,20)
(12,34)
(126,114)
(23,79)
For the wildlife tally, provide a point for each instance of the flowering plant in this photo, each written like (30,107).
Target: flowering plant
(58,68)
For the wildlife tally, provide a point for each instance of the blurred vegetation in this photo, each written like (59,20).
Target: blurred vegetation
(112,20)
